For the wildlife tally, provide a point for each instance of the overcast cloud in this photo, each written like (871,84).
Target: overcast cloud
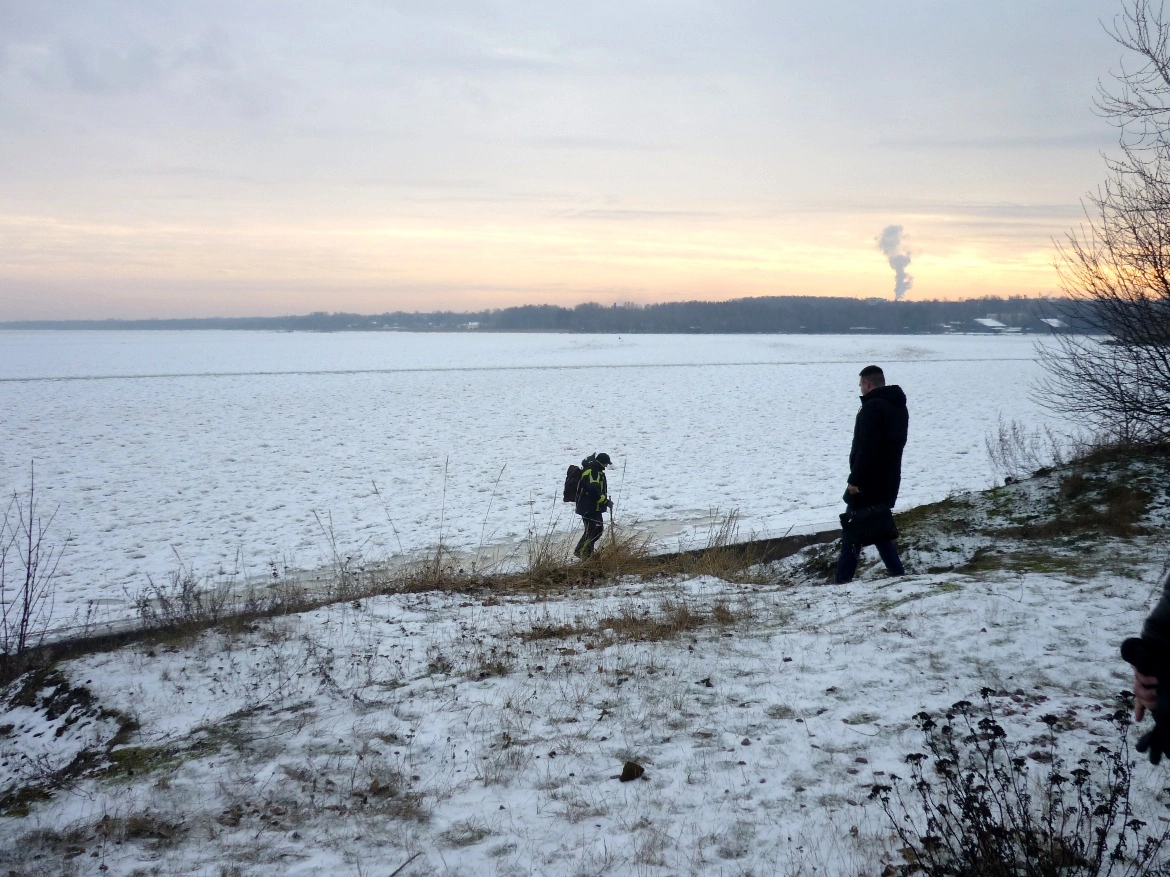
(275,157)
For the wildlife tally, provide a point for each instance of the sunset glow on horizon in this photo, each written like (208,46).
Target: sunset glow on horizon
(214,160)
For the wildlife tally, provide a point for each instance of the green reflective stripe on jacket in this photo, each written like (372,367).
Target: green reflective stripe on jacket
(595,479)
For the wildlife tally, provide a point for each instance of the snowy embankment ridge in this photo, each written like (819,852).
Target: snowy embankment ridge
(484,731)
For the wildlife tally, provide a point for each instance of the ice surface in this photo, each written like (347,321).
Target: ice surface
(238,452)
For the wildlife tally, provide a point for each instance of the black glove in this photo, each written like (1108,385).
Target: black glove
(1149,660)
(609,503)
(1155,741)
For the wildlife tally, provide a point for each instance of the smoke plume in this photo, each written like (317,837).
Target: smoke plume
(890,243)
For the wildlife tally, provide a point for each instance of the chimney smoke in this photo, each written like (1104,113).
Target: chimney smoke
(890,243)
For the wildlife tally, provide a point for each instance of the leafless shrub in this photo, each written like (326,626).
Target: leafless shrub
(1016,452)
(28,566)
(347,565)
(185,602)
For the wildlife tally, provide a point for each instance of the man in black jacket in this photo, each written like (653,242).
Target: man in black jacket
(875,463)
(592,501)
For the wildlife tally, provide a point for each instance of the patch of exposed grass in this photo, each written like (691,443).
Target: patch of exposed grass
(951,515)
(820,561)
(668,621)
(1024,561)
(226,733)
(1102,454)
(128,761)
(49,693)
(19,802)
(388,792)
(671,620)
(148,826)
(1117,512)
(153,830)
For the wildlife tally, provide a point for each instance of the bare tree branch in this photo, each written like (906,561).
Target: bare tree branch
(1115,267)
(28,567)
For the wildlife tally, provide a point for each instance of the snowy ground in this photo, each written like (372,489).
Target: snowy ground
(471,735)
(248,453)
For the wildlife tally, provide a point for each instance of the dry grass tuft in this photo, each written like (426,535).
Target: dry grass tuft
(622,550)
(668,622)
(723,614)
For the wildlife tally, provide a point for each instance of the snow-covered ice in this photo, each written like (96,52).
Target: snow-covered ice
(239,453)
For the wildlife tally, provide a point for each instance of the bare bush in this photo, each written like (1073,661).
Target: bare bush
(185,602)
(1015,451)
(28,566)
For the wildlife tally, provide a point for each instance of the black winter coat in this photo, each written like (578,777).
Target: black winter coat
(592,489)
(879,435)
(1156,629)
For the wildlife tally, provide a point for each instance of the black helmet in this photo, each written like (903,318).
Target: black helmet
(603,459)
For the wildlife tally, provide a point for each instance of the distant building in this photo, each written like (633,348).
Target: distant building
(1054,323)
(991,323)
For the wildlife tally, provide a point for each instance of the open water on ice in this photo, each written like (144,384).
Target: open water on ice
(238,452)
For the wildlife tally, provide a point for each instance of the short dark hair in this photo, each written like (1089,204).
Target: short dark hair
(875,375)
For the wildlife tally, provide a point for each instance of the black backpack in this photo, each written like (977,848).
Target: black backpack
(572,481)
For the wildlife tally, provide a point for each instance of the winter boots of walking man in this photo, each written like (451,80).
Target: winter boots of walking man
(592,502)
(875,464)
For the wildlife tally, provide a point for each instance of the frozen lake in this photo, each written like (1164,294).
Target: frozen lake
(227,451)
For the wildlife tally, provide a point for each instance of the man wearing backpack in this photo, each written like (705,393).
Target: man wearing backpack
(592,501)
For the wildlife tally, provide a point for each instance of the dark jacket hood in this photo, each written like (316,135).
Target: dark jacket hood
(892,394)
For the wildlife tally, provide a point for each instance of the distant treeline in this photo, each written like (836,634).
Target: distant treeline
(790,314)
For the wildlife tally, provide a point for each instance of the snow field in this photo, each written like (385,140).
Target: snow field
(484,735)
(238,454)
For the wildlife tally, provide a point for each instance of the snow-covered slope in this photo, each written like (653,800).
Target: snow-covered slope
(441,733)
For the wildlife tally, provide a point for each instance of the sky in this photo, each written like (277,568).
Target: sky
(219,158)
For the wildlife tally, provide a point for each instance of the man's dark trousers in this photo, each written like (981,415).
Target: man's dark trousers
(594,527)
(847,563)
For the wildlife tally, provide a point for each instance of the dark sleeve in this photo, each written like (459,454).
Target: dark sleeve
(1157,626)
(865,460)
